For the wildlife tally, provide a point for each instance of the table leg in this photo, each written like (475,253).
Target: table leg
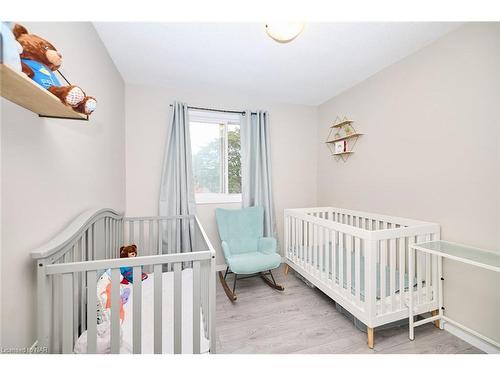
(411,255)
(440,275)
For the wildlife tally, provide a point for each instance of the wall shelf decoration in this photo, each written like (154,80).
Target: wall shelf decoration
(23,91)
(342,138)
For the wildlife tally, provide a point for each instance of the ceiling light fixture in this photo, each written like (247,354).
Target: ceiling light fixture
(284,32)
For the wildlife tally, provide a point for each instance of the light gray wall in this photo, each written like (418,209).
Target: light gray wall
(431,152)
(293,154)
(52,170)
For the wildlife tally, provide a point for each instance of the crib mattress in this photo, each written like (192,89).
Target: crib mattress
(167,317)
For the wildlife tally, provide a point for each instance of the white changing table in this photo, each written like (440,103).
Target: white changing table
(443,249)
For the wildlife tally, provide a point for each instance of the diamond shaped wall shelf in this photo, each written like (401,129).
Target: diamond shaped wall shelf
(344,138)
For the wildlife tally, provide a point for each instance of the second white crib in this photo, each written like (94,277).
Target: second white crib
(361,261)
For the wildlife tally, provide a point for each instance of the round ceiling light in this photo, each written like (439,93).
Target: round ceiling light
(284,32)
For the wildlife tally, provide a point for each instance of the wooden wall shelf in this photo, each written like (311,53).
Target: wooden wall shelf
(342,123)
(21,90)
(346,137)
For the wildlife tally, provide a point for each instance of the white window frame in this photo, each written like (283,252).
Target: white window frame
(222,118)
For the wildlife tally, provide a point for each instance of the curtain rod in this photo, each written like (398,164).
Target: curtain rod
(219,110)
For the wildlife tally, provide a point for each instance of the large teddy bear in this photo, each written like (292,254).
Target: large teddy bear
(39,60)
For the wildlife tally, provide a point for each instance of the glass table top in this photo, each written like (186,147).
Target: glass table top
(478,257)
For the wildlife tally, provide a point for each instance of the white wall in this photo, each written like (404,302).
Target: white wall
(431,152)
(293,144)
(52,170)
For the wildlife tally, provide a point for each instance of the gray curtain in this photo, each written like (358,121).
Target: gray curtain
(177,187)
(256,184)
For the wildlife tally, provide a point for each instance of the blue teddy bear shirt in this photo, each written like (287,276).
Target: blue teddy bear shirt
(43,75)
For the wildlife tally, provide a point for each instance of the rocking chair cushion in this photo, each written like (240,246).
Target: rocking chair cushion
(249,263)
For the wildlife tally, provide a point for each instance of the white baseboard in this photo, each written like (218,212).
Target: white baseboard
(471,339)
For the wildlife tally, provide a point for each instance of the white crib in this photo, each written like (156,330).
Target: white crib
(69,265)
(360,260)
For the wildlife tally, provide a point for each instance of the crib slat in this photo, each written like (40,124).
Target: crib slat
(156,229)
(177,308)
(321,249)
(196,307)
(89,234)
(116,247)
(106,238)
(115,311)
(303,246)
(341,261)
(402,266)
(297,238)
(305,251)
(137,310)
(151,238)
(392,270)
(308,249)
(312,243)
(411,281)
(348,265)
(110,239)
(94,242)
(56,319)
(316,249)
(334,258)
(90,239)
(158,311)
(82,275)
(357,268)
(300,240)
(418,264)
(119,237)
(160,236)
(287,239)
(327,253)
(67,313)
(172,237)
(130,232)
(383,264)
(91,312)
(75,297)
(141,236)
(333,238)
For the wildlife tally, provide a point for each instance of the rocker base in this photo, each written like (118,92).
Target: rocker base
(232,296)
(231,293)
(272,283)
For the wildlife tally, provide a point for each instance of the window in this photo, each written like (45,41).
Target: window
(215,147)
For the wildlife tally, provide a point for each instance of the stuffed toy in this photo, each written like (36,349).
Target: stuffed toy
(39,61)
(124,295)
(129,251)
(11,49)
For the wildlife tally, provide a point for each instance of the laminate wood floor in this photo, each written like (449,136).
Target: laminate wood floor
(304,320)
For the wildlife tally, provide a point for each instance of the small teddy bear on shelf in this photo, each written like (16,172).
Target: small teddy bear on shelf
(39,60)
(129,251)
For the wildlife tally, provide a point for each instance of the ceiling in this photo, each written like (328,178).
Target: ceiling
(326,59)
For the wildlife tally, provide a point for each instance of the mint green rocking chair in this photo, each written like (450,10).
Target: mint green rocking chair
(246,252)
